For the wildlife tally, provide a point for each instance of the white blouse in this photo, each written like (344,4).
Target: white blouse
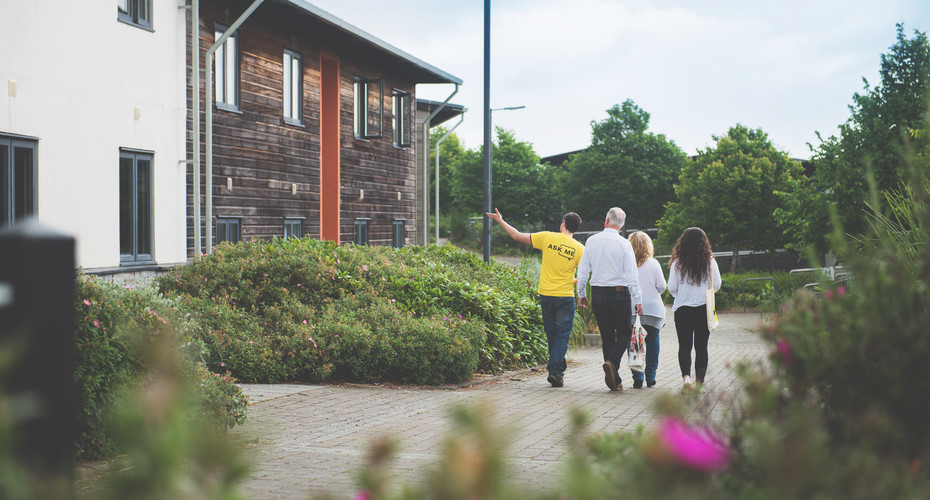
(687,293)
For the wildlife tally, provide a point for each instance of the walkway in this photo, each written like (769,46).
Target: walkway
(310,440)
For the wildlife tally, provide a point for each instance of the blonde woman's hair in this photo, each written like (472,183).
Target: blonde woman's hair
(642,246)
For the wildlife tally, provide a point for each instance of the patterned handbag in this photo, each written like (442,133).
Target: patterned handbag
(636,355)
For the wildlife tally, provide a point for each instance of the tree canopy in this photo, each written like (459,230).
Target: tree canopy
(731,190)
(875,145)
(625,166)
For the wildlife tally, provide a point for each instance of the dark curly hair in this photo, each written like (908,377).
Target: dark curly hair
(692,255)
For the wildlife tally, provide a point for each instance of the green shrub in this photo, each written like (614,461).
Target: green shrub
(114,325)
(267,310)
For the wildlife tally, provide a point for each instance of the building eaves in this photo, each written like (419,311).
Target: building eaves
(426,73)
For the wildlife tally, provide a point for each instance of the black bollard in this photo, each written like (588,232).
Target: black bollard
(36,325)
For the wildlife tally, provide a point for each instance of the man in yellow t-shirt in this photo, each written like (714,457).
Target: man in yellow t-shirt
(561,254)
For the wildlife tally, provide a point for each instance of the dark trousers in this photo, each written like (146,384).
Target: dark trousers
(691,326)
(613,313)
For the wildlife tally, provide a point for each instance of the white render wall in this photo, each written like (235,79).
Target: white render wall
(81,77)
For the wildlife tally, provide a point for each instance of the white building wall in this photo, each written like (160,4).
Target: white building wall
(86,86)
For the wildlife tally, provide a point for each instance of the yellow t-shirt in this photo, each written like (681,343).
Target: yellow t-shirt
(560,257)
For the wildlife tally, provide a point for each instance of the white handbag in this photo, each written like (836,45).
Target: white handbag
(711,305)
(636,354)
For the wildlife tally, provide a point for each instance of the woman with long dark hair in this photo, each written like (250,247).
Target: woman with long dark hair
(692,270)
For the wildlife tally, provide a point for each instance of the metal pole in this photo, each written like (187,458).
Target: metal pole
(195,101)
(461,119)
(487,130)
(209,118)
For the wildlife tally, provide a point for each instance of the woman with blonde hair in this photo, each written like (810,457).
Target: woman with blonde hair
(691,271)
(651,284)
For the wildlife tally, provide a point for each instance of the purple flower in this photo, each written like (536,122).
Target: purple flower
(699,449)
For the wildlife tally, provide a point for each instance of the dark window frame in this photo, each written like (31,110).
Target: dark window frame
(137,13)
(221,99)
(398,232)
(289,92)
(361,231)
(231,226)
(13,176)
(140,225)
(292,221)
(402,118)
(369,124)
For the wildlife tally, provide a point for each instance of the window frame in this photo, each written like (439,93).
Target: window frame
(137,13)
(292,96)
(8,180)
(222,86)
(360,237)
(369,124)
(398,237)
(138,254)
(228,221)
(291,221)
(401,118)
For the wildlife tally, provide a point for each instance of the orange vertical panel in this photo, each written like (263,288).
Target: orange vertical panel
(329,148)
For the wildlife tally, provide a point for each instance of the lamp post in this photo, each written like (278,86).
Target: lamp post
(487,184)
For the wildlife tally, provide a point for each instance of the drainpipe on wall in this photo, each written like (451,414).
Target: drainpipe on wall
(209,119)
(426,127)
(195,102)
(461,119)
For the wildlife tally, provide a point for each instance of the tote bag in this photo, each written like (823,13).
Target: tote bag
(636,355)
(711,306)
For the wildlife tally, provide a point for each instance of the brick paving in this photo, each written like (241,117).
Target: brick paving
(307,441)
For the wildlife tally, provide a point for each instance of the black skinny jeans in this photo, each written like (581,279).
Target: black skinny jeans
(691,326)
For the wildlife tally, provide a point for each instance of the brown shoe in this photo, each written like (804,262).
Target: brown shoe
(610,375)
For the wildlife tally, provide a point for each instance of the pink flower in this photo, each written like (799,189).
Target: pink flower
(364,268)
(222,364)
(305,322)
(784,348)
(86,302)
(841,290)
(828,294)
(97,322)
(362,495)
(699,449)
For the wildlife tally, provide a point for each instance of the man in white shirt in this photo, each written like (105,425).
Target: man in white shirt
(609,264)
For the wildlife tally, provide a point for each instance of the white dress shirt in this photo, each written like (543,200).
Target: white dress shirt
(609,260)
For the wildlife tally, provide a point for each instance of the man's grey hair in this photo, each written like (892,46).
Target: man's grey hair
(616,217)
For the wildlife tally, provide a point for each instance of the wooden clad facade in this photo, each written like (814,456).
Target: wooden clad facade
(267,169)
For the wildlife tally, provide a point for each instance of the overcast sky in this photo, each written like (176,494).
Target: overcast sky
(698,67)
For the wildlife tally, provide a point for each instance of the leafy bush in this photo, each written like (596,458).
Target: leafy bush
(270,311)
(113,326)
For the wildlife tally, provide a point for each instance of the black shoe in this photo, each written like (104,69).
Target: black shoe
(650,383)
(637,384)
(555,379)
(610,376)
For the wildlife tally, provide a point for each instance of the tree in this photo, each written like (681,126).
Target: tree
(625,166)
(521,187)
(451,153)
(874,146)
(731,191)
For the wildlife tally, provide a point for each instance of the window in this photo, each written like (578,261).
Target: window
(369,108)
(397,233)
(361,231)
(135,12)
(401,118)
(293,87)
(17,179)
(135,206)
(293,228)
(228,229)
(226,70)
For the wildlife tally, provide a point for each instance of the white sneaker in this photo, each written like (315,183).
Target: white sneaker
(686,380)
(686,385)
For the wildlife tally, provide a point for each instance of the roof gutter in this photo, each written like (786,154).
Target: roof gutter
(209,119)
(426,128)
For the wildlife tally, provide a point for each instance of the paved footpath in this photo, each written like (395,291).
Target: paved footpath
(310,440)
